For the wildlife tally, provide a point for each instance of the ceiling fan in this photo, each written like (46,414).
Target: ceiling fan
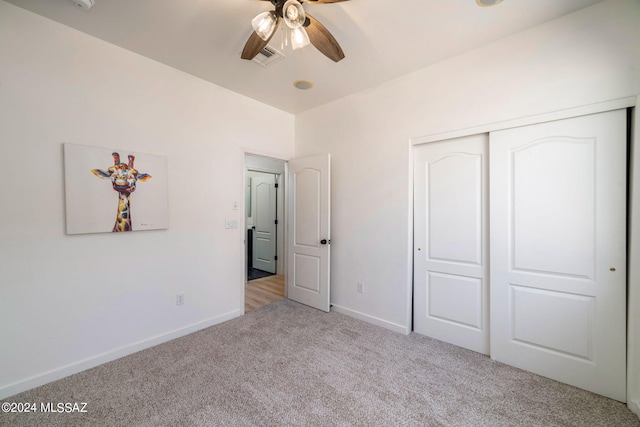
(303,28)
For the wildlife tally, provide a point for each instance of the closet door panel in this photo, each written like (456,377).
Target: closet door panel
(450,225)
(558,250)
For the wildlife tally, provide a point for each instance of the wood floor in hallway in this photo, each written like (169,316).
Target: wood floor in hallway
(261,292)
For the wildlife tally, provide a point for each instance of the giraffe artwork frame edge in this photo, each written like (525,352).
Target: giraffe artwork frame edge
(91,204)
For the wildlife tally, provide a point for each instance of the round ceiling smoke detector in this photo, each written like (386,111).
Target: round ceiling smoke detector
(485,3)
(85,4)
(303,84)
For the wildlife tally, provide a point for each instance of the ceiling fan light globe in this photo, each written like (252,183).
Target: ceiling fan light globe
(264,24)
(293,14)
(299,38)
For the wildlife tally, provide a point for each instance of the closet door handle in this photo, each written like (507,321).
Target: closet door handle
(325,241)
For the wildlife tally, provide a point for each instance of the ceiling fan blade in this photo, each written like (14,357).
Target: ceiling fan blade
(322,39)
(255,44)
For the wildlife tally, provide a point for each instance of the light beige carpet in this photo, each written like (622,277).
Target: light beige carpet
(287,364)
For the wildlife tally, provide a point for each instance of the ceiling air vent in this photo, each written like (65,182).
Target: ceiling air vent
(267,56)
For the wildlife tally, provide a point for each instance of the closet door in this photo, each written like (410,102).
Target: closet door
(450,250)
(558,250)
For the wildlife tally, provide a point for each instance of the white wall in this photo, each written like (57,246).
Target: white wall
(71,302)
(587,57)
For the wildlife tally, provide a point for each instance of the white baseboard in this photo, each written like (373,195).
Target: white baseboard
(401,329)
(92,362)
(634,405)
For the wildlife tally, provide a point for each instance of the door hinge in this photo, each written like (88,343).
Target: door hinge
(275,258)
(276,185)
(276,221)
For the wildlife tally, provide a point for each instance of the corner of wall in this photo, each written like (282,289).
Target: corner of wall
(633,340)
(634,405)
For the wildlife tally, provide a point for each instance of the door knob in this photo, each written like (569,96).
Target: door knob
(324,241)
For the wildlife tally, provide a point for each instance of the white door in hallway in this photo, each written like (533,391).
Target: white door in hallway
(450,242)
(558,250)
(264,216)
(309,233)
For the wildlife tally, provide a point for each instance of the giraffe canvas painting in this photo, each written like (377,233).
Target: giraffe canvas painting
(124,178)
(92,204)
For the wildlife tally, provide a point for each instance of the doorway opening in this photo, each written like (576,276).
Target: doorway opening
(308,219)
(262,224)
(264,228)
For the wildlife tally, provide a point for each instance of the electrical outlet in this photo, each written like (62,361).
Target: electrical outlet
(360,287)
(230,224)
(179,299)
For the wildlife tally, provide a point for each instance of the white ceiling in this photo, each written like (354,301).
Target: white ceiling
(382,39)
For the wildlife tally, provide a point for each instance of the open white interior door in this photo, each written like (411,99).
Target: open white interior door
(308,234)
